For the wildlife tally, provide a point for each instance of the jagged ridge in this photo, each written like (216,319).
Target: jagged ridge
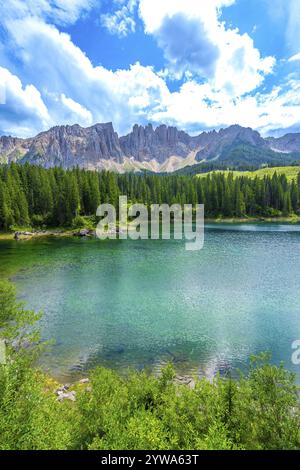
(161,149)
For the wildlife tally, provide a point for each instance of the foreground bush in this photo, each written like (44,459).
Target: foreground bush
(259,411)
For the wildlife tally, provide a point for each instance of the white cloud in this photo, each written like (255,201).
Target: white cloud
(195,41)
(153,12)
(187,46)
(197,106)
(23,109)
(58,68)
(57,11)
(295,57)
(121,22)
(76,112)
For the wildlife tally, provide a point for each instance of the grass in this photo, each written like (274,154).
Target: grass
(291,172)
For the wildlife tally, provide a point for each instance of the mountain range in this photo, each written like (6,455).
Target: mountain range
(162,149)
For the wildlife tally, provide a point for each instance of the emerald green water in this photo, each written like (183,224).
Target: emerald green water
(142,303)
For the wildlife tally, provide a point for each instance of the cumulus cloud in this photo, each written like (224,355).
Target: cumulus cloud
(196,106)
(23,108)
(195,40)
(63,73)
(71,111)
(186,45)
(153,12)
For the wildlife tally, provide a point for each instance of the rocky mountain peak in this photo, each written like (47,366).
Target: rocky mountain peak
(99,146)
(147,143)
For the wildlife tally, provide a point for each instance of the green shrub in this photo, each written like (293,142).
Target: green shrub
(83,222)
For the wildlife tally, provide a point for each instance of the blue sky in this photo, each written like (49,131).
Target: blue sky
(194,64)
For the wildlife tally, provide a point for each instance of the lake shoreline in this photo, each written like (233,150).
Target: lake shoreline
(249,220)
(67,232)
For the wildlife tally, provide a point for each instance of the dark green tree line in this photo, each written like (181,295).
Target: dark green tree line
(31,195)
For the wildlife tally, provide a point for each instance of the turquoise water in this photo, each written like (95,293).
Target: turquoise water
(143,303)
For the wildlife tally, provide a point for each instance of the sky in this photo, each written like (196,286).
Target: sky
(194,64)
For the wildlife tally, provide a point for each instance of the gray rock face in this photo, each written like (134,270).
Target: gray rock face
(69,146)
(287,143)
(99,146)
(13,148)
(145,143)
(226,138)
